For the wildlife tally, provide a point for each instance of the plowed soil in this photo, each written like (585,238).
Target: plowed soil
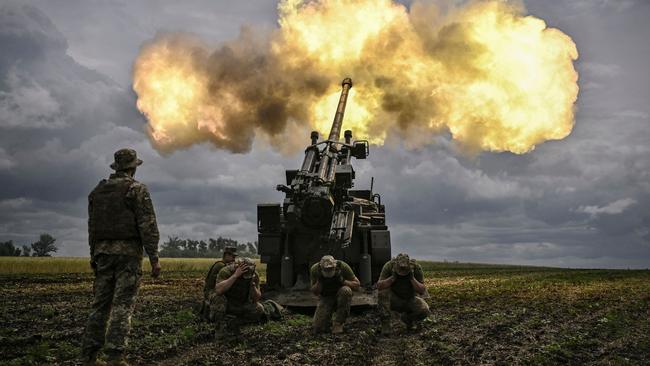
(489,315)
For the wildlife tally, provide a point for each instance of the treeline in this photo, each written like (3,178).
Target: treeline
(43,247)
(175,247)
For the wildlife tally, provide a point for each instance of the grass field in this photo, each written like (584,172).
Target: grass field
(482,314)
(54,265)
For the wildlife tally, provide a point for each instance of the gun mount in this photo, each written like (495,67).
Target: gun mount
(322,215)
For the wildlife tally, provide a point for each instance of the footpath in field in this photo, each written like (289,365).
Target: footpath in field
(482,315)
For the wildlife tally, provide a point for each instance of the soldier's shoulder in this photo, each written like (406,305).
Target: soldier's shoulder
(228,268)
(217,266)
(344,264)
(138,185)
(415,264)
(138,189)
(99,184)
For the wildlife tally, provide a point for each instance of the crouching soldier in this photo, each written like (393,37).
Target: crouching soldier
(400,285)
(238,298)
(212,305)
(333,281)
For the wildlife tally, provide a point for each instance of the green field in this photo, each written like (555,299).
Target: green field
(482,314)
(54,265)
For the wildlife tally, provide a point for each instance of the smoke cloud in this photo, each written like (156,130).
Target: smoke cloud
(493,78)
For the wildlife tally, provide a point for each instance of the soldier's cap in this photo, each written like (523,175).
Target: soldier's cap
(327,265)
(230,250)
(125,159)
(402,263)
(250,263)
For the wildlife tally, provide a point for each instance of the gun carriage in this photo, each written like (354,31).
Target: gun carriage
(322,214)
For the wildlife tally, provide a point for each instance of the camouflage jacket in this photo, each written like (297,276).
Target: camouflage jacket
(239,292)
(211,278)
(402,286)
(138,202)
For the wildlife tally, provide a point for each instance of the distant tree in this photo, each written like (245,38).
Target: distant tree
(212,245)
(44,246)
(203,247)
(175,247)
(191,247)
(252,247)
(7,249)
(27,251)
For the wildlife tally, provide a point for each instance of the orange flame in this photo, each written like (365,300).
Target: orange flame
(495,79)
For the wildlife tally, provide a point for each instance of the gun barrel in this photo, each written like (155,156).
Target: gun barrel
(335,132)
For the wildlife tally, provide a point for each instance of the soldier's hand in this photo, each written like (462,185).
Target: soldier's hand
(155,269)
(93,265)
(240,270)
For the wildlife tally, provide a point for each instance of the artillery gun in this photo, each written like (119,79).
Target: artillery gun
(322,215)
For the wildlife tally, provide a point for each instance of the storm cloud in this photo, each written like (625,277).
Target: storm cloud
(66,106)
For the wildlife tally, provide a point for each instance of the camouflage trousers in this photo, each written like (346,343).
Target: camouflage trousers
(413,309)
(117,280)
(249,312)
(327,304)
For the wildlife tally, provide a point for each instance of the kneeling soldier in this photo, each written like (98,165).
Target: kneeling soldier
(238,295)
(333,281)
(400,285)
(211,308)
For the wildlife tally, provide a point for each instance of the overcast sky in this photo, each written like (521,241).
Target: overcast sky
(66,105)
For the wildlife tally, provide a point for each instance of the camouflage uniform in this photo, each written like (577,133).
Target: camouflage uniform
(238,300)
(212,304)
(334,295)
(401,296)
(121,222)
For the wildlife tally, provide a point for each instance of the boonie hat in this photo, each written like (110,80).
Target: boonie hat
(125,159)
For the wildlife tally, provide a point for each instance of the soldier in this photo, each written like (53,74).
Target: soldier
(121,222)
(400,285)
(333,281)
(208,311)
(237,296)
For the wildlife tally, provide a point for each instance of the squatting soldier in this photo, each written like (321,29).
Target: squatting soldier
(238,297)
(207,311)
(400,285)
(121,222)
(333,281)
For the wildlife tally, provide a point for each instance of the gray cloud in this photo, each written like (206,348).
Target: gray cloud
(578,202)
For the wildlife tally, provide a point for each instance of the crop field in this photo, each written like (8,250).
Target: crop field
(482,314)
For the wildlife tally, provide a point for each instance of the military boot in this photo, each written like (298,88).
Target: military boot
(337,328)
(228,327)
(117,359)
(234,326)
(386,330)
(410,325)
(92,360)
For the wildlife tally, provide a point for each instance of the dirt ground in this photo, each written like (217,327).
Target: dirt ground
(490,315)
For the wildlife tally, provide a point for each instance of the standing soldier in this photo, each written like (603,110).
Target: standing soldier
(333,281)
(400,285)
(210,309)
(121,221)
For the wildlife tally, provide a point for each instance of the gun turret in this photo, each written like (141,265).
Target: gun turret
(321,214)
